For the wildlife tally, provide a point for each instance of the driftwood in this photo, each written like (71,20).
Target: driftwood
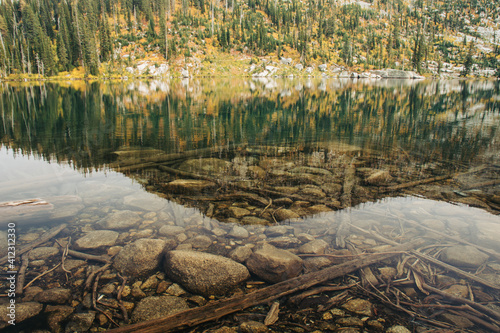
(477,306)
(76,254)
(21,275)
(221,308)
(490,252)
(40,275)
(415,183)
(483,184)
(45,237)
(432,260)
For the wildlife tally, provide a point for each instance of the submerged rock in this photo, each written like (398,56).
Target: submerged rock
(80,322)
(359,306)
(273,264)
(120,220)
(205,166)
(43,253)
(203,273)
(238,232)
(54,295)
(56,314)
(96,239)
(140,258)
(23,311)
(317,246)
(379,177)
(189,186)
(463,256)
(145,201)
(154,307)
(285,214)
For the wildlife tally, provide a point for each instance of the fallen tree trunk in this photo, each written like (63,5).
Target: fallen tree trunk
(221,308)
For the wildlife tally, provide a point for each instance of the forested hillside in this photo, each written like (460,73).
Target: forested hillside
(103,37)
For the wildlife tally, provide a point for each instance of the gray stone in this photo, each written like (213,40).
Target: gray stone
(286,61)
(170,230)
(309,70)
(359,306)
(189,186)
(54,295)
(276,231)
(463,256)
(299,67)
(203,273)
(145,201)
(23,311)
(154,307)
(184,73)
(140,258)
(322,67)
(124,219)
(241,254)
(273,264)
(80,322)
(238,232)
(303,237)
(43,253)
(284,242)
(317,246)
(200,242)
(96,239)
(316,263)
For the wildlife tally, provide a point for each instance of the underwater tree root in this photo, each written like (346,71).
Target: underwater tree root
(221,308)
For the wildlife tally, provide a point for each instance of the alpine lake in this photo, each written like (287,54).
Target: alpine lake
(250,205)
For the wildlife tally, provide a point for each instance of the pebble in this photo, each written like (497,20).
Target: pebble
(359,306)
(238,232)
(253,327)
(398,329)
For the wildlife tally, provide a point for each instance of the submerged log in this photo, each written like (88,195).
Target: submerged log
(221,308)
(416,183)
(174,157)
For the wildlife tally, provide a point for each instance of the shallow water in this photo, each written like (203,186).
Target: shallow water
(91,151)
